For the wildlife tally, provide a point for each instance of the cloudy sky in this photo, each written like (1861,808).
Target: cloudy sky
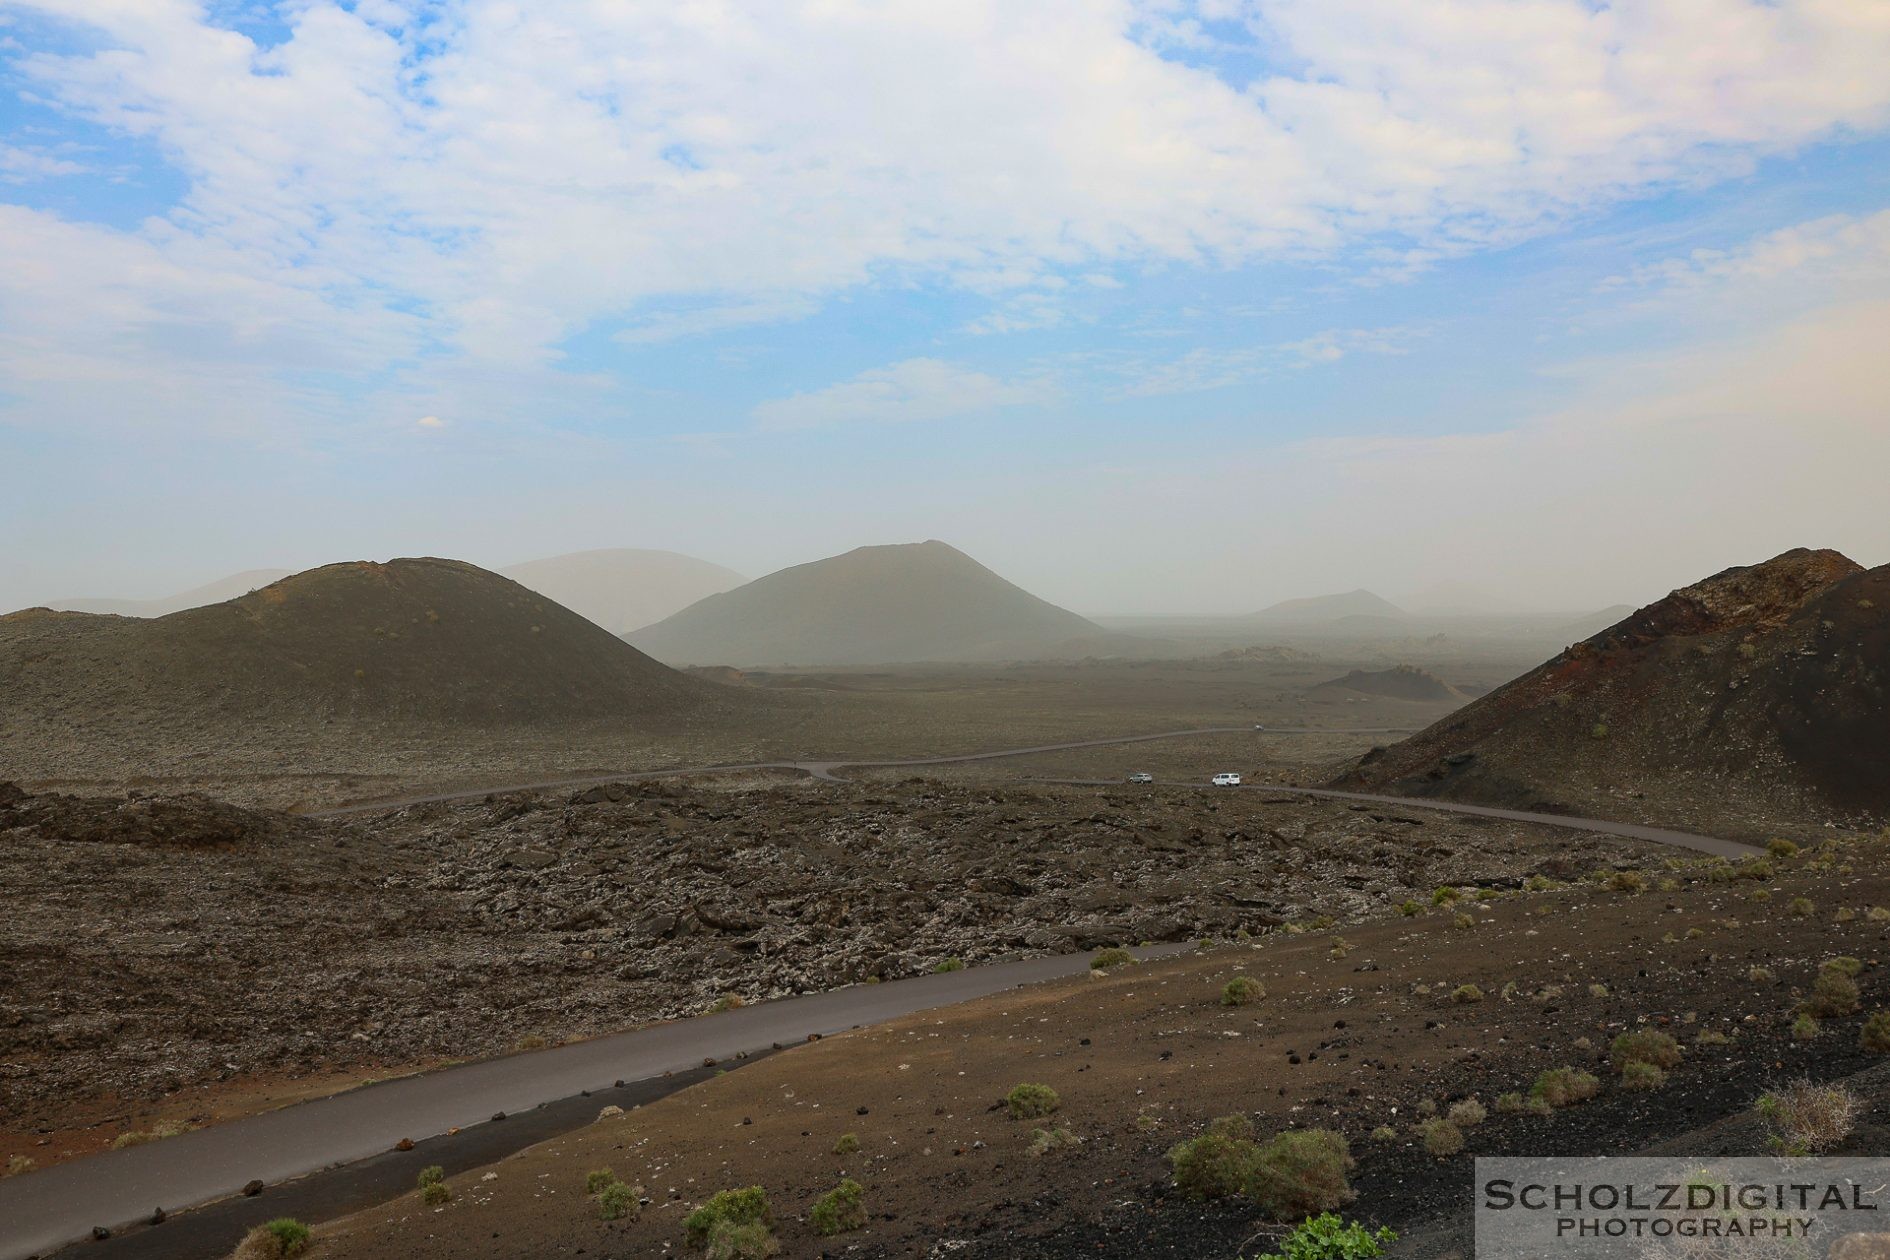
(1153,305)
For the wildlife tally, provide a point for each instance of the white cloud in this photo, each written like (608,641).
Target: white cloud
(514,174)
(430,422)
(19,165)
(1836,251)
(917,389)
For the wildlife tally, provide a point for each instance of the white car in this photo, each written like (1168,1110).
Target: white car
(1259,726)
(1141,776)
(1225,779)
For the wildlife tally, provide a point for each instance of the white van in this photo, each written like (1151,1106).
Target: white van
(1225,779)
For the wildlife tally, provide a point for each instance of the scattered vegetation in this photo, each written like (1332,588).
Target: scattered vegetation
(1292,1175)
(849,1144)
(953,963)
(1326,1237)
(1806,1118)
(1241,991)
(1565,1086)
(274,1240)
(1464,921)
(840,1210)
(1832,994)
(436,1193)
(596,1179)
(1467,1114)
(1628,882)
(1523,1105)
(1644,1045)
(1043,1141)
(431,1175)
(734,1225)
(1466,994)
(616,1201)
(1441,1138)
(1805,1028)
(1874,1037)
(1640,1077)
(1384,1133)
(1032,1102)
(1801,907)
(1108,958)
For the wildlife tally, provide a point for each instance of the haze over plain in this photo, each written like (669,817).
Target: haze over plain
(1182,308)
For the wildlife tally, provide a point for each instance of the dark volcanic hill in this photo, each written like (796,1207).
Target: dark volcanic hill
(1401,682)
(433,641)
(1762,691)
(914,602)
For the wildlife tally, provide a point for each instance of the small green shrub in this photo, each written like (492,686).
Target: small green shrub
(1643,1046)
(1805,1028)
(1565,1086)
(1444,896)
(435,1193)
(1467,1114)
(1300,1173)
(1538,883)
(746,1206)
(1384,1133)
(1761,975)
(727,1002)
(849,1144)
(1211,1166)
(1032,1102)
(1464,921)
(1832,994)
(729,1240)
(616,1201)
(431,1175)
(1108,958)
(1409,909)
(1597,990)
(19,1165)
(1712,1037)
(839,1210)
(1782,849)
(1843,965)
(950,964)
(1628,882)
(1326,1237)
(1801,907)
(1874,1036)
(1523,1105)
(597,1178)
(274,1240)
(1242,991)
(1807,1119)
(1641,1076)
(1043,1141)
(1441,1138)
(1466,994)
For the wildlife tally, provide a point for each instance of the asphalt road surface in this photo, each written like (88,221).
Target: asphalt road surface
(42,1211)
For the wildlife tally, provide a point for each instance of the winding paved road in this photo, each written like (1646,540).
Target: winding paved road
(42,1211)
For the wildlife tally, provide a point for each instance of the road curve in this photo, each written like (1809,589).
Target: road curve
(44,1210)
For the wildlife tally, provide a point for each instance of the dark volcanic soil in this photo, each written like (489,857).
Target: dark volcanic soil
(174,944)
(1352,1036)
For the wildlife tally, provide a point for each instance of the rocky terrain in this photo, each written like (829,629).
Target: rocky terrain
(1401,682)
(176,943)
(1757,696)
(915,602)
(1365,1029)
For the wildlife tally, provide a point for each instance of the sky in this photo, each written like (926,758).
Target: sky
(1154,306)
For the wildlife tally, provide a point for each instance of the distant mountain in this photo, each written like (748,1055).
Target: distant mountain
(210,593)
(876,605)
(1761,693)
(427,640)
(623,588)
(1325,608)
(1401,682)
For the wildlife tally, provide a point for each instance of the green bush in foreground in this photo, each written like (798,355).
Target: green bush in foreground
(1833,993)
(616,1201)
(1441,1138)
(1326,1237)
(1641,1077)
(435,1193)
(1564,1087)
(849,1144)
(431,1175)
(1300,1173)
(1032,1102)
(1212,1166)
(597,1178)
(840,1209)
(747,1206)
(1242,990)
(1107,958)
(1643,1046)
(1874,1036)
(729,1241)
(276,1240)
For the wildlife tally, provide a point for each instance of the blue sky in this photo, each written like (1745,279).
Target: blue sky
(1152,306)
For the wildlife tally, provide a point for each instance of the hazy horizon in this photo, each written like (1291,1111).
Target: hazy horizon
(1180,307)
